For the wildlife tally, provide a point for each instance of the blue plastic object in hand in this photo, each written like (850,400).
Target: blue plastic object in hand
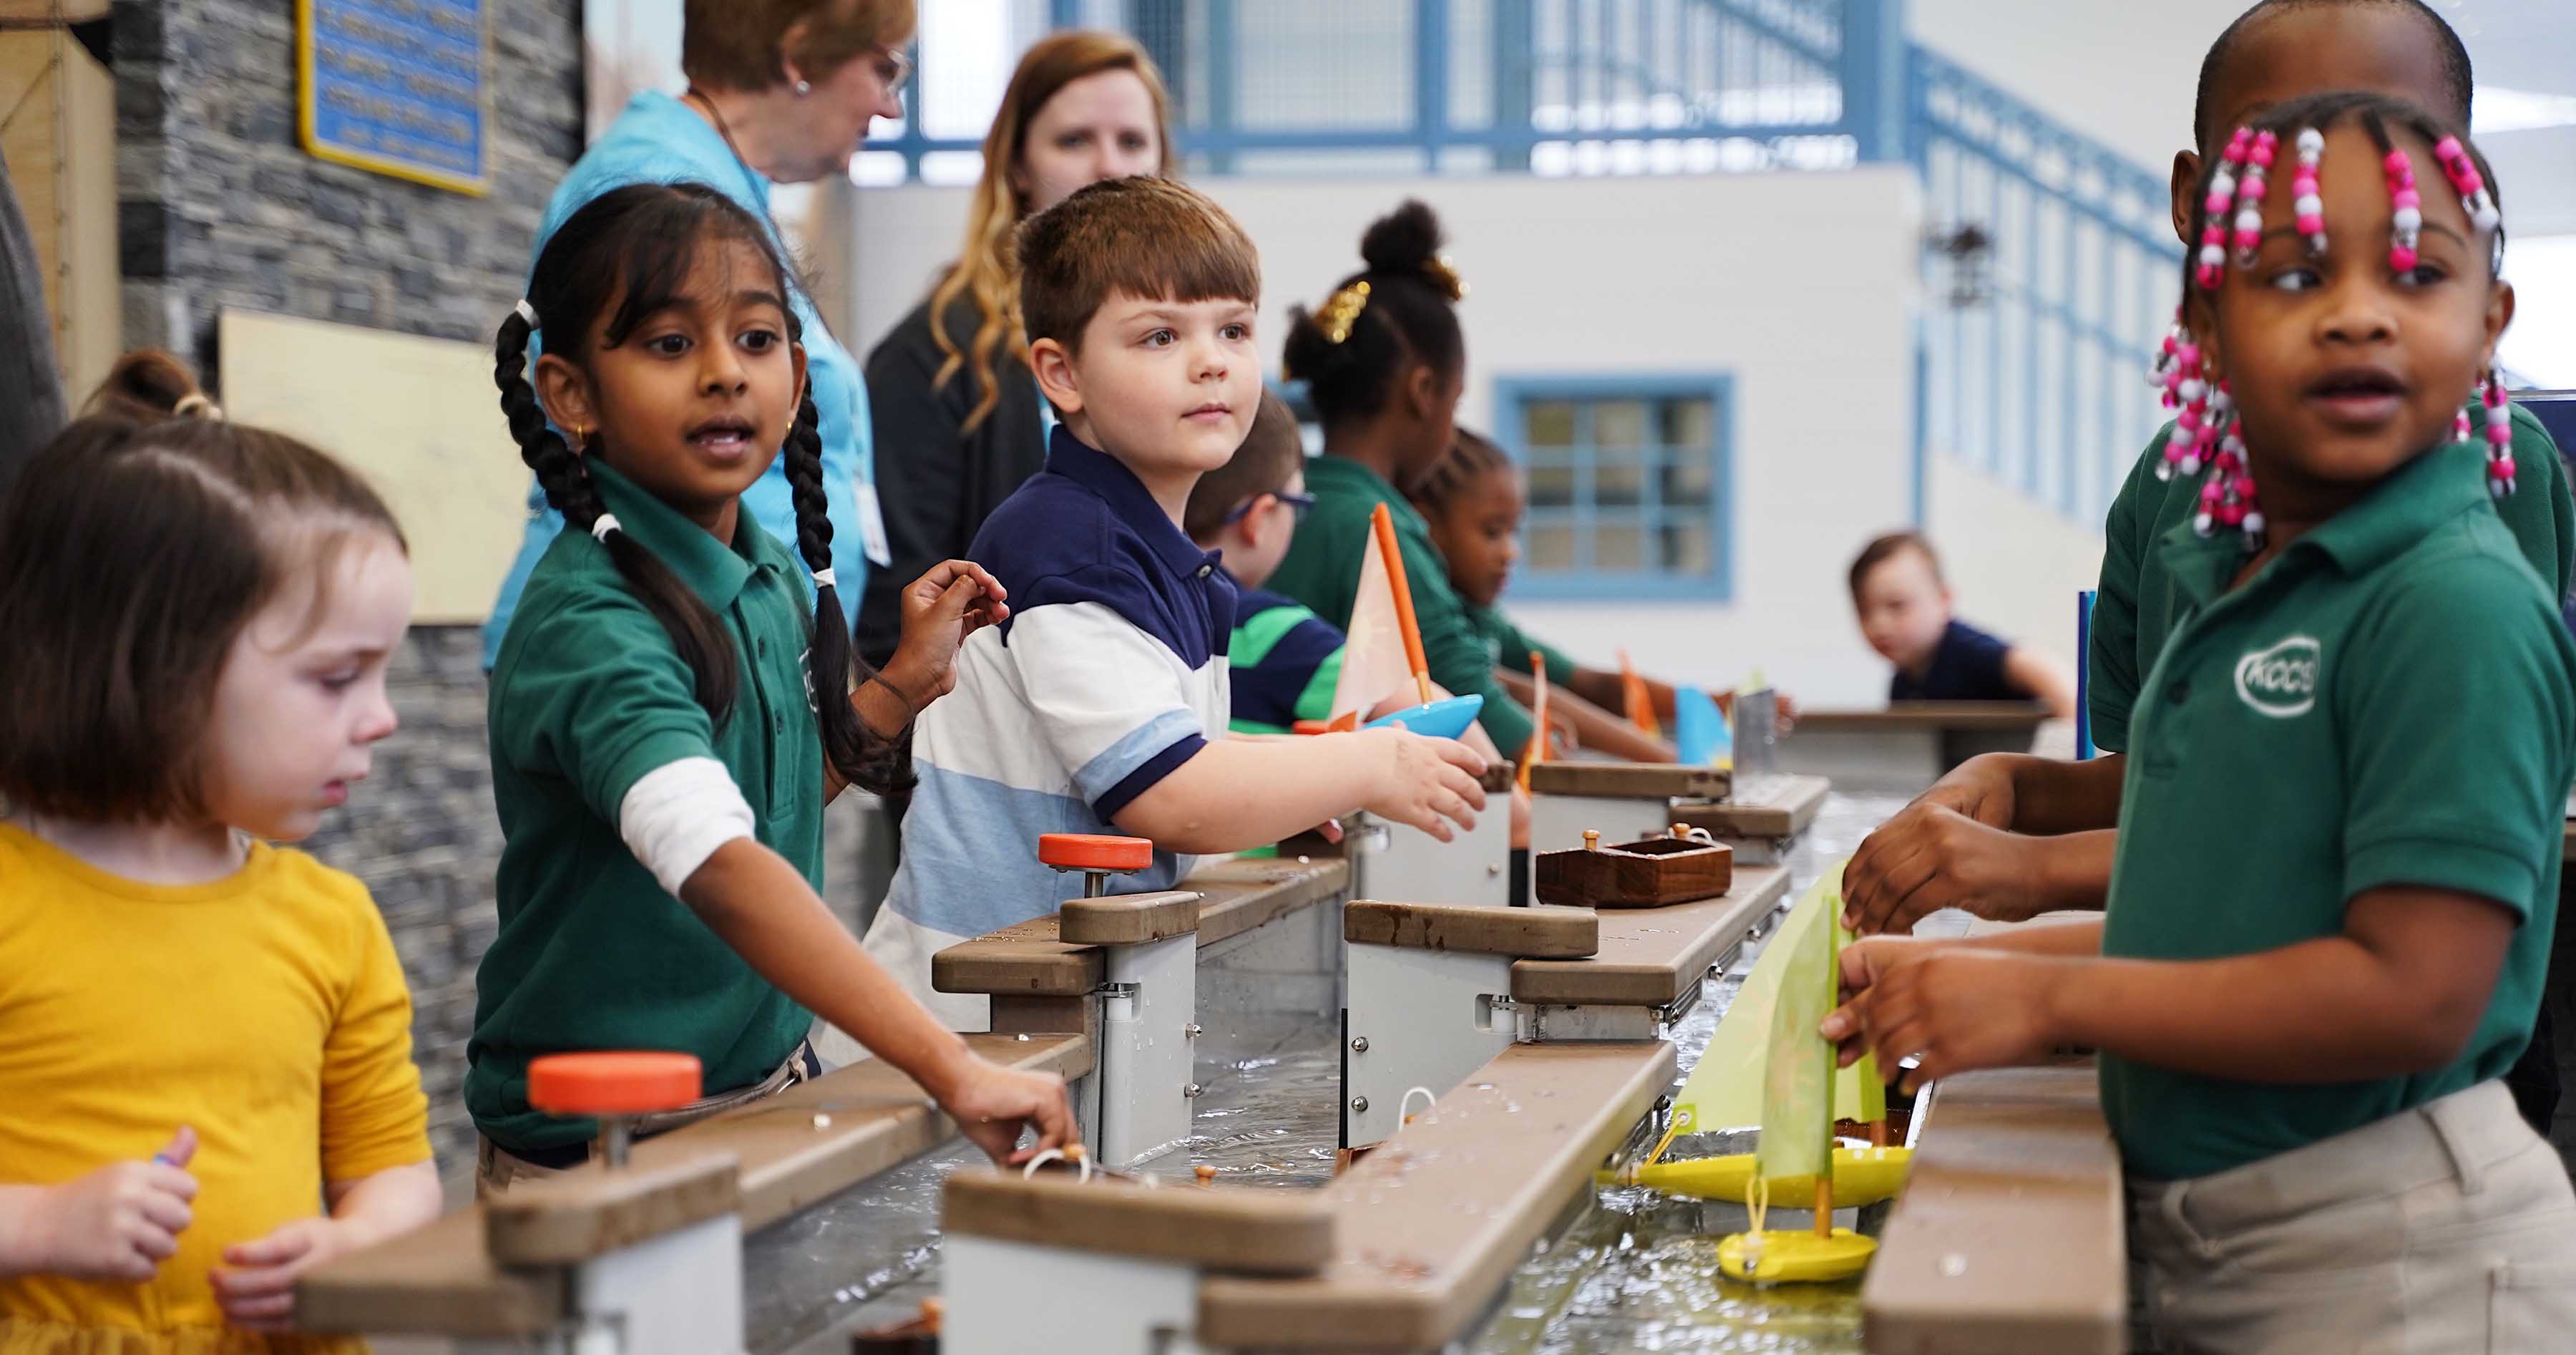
(1438,720)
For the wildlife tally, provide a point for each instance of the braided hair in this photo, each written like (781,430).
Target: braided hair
(1351,359)
(1470,457)
(636,246)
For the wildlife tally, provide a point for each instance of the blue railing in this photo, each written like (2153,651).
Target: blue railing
(2053,262)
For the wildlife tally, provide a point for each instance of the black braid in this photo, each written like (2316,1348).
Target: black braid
(880,765)
(695,632)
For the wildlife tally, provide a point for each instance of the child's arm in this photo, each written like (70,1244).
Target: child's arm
(1594,727)
(940,609)
(2399,992)
(256,1287)
(1236,794)
(2042,678)
(762,907)
(118,1223)
(1930,855)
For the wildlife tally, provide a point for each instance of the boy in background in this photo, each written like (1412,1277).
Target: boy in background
(1905,613)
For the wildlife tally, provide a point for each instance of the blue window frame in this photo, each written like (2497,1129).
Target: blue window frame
(1630,485)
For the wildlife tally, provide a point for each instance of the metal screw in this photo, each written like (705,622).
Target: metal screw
(1359,1105)
(1492,872)
(1191,1091)
(1192,1030)
(1360,1045)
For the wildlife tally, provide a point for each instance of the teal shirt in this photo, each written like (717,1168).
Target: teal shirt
(1510,647)
(588,697)
(2138,603)
(659,140)
(2390,701)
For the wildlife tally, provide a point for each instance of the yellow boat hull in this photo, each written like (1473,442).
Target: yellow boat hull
(1861,1176)
(1794,1257)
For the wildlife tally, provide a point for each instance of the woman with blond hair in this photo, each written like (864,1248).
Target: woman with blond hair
(958,420)
(780,91)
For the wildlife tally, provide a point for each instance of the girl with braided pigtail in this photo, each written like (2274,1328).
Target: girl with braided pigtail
(669,717)
(2337,870)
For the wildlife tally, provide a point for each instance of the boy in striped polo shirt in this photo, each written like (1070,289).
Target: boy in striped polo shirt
(1101,704)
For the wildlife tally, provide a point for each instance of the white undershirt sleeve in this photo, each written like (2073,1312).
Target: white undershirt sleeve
(678,814)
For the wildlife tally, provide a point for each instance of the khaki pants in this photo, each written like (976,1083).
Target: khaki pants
(2447,1230)
(496,1168)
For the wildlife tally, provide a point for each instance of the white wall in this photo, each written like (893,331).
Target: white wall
(1798,286)
(2015,564)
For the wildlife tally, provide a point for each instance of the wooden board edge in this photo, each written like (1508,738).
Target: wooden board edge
(1230,1229)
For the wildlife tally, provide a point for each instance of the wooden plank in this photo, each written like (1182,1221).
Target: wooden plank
(1224,1228)
(443,1280)
(591,1211)
(439,1279)
(1787,805)
(2009,1237)
(1128,919)
(1031,960)
(1542,932)
(1242,895)
(1431,1225)
(1630,780)
(1650,958)
(1918,715)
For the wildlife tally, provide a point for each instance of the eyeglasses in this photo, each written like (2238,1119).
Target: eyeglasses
(894,69)
(1298,503)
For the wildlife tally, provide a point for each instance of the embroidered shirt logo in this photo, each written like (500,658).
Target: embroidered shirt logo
(2281,680)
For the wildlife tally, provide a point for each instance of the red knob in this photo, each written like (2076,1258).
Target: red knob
(612,1083)
(1095,851)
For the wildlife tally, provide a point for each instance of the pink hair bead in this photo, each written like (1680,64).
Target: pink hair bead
(2401,258)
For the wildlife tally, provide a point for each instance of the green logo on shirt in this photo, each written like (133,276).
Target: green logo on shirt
(2281,680)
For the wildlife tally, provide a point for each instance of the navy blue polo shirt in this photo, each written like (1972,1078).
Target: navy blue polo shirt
(1968,665)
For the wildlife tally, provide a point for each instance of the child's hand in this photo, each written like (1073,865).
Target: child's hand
(1427,783)
(941,608)
(1954,1009)
(1930,857)
(119,1222)
(991,1104)
(256,1289)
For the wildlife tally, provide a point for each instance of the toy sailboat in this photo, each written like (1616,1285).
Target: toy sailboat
(1766,1065)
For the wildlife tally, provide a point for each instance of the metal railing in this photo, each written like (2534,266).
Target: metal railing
(2056,270)
(2052,263)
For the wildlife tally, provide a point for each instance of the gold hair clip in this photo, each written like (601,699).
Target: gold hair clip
(1444,275)
(1341,310)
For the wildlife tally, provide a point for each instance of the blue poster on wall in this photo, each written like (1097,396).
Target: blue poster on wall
(397,87)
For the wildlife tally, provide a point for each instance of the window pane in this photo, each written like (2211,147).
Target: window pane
(1689,478)
(1618,545)
(1551,546)
(1549,423)
(1551,483)
(1619,424)
(1617,482)
(1686,548)
(1688,423)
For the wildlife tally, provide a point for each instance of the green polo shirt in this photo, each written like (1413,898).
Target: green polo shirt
(587,697)
(2136,608)
(1323,571)
(2391,701)
(1510,646)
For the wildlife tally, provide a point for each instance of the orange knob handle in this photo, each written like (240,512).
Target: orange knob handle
(1095,851)
(612,1083)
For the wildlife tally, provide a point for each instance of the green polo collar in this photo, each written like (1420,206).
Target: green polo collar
(710,569)
(2422,494)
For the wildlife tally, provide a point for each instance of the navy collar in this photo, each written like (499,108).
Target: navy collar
(1109,477)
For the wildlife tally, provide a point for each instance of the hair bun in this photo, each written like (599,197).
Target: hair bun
(1405,240)
(147,386)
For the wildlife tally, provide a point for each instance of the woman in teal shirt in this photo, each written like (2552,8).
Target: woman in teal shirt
(778,93)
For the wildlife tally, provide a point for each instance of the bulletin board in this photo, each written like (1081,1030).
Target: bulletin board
(418,417)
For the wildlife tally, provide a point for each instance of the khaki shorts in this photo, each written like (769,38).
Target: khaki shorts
(496,1168)
(2450,1228)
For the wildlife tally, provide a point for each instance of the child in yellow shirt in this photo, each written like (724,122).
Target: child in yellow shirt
(204,1039)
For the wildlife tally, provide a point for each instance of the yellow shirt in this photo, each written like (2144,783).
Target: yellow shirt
(266,1009)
